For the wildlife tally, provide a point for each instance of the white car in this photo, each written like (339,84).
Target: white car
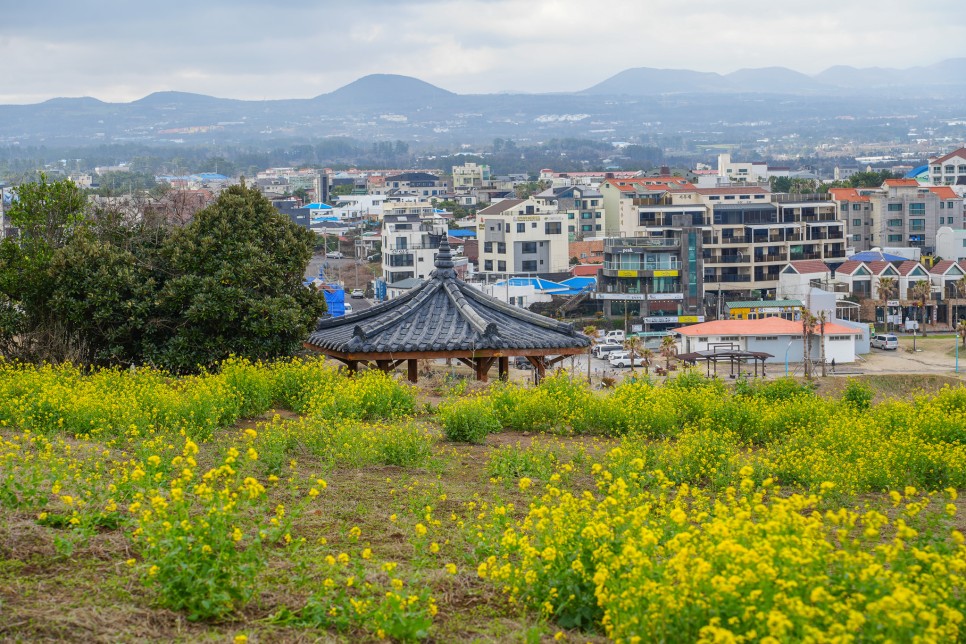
(334,254)
(348,309)
(885,341)
(622,359)
(357,293)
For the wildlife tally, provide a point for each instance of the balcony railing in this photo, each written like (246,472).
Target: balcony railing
(642,266)
(714,279)
(727,259)
(641,242)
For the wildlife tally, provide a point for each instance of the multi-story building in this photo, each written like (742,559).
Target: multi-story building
(583,207)
(657,279)
(623,200)
(410,240)
(413,184)
(747,233)
(470,176)
(949,169)
(900,213)
(522,236)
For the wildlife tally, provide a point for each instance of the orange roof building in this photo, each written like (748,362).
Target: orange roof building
(774,336)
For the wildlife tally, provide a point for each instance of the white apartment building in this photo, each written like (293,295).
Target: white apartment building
(468,176)
(747,172)
(949,169)
(522,236)
(410,241)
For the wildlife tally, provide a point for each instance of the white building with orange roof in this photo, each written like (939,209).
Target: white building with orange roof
(776,336)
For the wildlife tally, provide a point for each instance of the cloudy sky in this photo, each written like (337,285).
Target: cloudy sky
(121,50)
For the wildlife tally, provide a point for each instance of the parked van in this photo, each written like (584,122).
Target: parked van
(601,350)
(614,336)
(885,341)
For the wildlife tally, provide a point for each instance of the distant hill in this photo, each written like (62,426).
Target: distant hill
(647,81)
(382,88)
(389,106)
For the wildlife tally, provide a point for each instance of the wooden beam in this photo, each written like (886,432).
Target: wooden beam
(468,362)
(430,355)
(554,361)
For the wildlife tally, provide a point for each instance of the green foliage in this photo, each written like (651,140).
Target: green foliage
(234,286)
(857,394)
(469,420)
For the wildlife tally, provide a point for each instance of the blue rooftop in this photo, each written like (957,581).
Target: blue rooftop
(317,205)
(536,282)
(877,256)
(462,232)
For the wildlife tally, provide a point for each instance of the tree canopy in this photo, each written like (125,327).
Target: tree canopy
(96,287)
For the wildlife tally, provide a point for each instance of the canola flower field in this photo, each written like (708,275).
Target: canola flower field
(286,502)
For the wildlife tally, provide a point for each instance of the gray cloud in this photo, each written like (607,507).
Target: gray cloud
(120,51)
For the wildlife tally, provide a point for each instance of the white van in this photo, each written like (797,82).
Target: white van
(614,336)
(885,341)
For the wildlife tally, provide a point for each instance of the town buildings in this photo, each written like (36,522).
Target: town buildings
(520,236)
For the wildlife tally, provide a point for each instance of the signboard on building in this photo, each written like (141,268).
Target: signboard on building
(671,273)
(626,273)
(672,319)
(638,297)
(892,303)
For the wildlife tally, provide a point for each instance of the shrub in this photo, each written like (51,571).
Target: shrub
(469,420)
(857,394)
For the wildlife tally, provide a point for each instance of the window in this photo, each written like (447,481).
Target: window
(488,265)
(533,224)
(856,222)
(950,169)
(714,198)
(506,228)
(487,247)
(917,225)
(586,228)
(856,206)
(521,228)
(729,197)
(917,209)
(570,215)
(529,247)
(859,238)
(501,248)
(895,207)
(962,169)
(586,215)
(501,266)
(552,228)
(942,205)
(894,238)
(765,338)
(529,266)
(729,338)
(894,222)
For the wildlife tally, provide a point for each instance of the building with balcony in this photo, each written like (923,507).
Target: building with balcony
(654,279)
(900,213)
(410,242)
(949,169)
(413,184)
(522,236)
(470,176)
(583,207)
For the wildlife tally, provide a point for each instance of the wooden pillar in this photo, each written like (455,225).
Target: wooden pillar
(503,368)
(413,369)
(384,365)
(541,369)
(353,366)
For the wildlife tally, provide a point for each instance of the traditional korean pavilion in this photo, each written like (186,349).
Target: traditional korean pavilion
(446,318)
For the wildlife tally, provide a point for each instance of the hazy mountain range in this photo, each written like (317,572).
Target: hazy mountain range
(383,106)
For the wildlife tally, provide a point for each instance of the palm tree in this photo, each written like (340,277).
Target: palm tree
(808,330)
(921,292)
(647,357)
(887,288)
(961,331)
(669,349)
(960,293)
(591,332)
(633,346)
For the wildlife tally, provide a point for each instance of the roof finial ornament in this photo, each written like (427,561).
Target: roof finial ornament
(444,260)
